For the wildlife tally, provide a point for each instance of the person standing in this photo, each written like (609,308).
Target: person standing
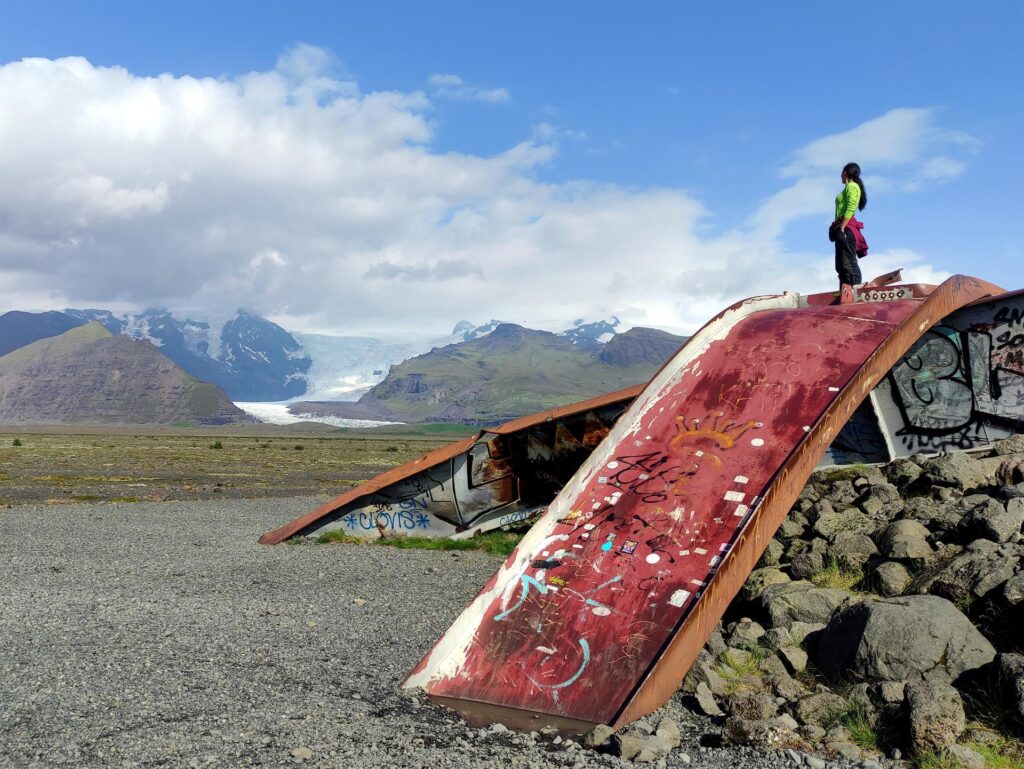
(845,230)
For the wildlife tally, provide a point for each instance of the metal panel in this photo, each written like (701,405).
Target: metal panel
(598,614)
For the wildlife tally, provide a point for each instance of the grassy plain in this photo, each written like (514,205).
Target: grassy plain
(124,465)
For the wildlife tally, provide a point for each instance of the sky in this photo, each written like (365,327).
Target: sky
(391,168)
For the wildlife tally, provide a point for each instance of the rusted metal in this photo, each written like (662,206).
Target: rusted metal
(496,477)
(601,610)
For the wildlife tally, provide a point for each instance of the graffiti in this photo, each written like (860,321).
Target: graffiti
(519,515)
(962,384)
(395,520)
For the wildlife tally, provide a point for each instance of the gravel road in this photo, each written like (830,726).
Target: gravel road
(162,635)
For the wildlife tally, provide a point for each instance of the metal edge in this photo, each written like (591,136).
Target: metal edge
(665,675)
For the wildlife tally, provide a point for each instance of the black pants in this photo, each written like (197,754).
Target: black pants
(846,256)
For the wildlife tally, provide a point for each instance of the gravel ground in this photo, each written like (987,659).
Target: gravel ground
(162,635)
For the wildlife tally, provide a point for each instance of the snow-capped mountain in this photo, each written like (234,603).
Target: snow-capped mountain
(594,334)
(250,357)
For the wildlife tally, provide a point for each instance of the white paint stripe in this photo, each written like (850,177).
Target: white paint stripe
(734,496)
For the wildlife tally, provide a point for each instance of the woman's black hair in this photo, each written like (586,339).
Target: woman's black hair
(852,171)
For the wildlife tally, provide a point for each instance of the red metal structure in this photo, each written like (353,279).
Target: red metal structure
(603,607)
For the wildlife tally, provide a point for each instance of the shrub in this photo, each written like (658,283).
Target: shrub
(216,445)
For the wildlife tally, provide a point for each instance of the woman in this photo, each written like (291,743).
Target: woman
(853,198)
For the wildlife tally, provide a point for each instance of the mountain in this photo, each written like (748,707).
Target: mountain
(593,334)
(89,376)
(640,346)
(250,357)
(18,329)
(510,372)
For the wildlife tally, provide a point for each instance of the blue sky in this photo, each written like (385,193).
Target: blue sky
(715,103)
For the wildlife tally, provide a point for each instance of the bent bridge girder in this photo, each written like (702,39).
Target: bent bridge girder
(601,610)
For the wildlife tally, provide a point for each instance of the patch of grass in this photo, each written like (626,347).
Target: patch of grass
(1002,754)
(742,671)
(493,542)
(181,423)
(935,761)
(336,537)
(86,497)
(125,499)
(216,445)
(16,442)
(299,447)
(861,730)
(834,576)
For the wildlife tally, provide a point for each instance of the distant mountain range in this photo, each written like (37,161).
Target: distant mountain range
(87,375)
(506,373)
(254,359)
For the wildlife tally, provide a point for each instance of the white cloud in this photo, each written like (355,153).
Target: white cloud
(455,88)
(294,193)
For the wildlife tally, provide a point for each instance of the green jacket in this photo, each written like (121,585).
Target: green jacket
(847,200)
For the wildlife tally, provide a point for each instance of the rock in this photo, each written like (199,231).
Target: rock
(359,601)
(936,516)
(643,726)
(706,701)
(668,730)
(891,692)
(752,706)
(628,746)
(771,665)
(906,638)
(778,636)
(982,566)
(957,470)
(814,762)
(890,578)
(935,714)
(716,642)
(811,732)
(820,709)
(790,528)
(770,734)
(759,579)
(993,520)
(799,631)
(1012,445)
(800,602)
(841,493)
(1013,590)
(846,750)
(1010,682)
(704,671)
(787,687)
(302,753)
(965,757)
(904,540)
(598,736)
(902,472)
(794,658)
(746,634)
(829,525)
(655,747)
(876,497)
(806,565)
(851,550)
(772,553)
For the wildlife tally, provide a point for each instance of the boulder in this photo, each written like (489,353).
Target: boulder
(937,516)
(772,553)
(982,566)
(957,470)
(800,602)
(806,565)
(768,735)
(1010,680)
(788,688)
(799,631)
(794,658)
(851,550)
(821,709)
(890,578)
(752,706)
(874,499)
(905,540)
(902,472)
(830,524)
(966,758)
(1012,445)
(704,671)
(745,634)
(907,638)
(791,528)
(935,716)
(992,520)
(1013,590)
(706,700)
(840,493)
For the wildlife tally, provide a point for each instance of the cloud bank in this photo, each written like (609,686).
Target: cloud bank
(295,194)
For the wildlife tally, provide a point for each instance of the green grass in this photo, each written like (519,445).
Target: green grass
(861,730)
(493,542)
(834,576)
(1004,754)
(935,761)
(742,673)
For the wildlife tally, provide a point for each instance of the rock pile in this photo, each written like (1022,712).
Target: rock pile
(885,617)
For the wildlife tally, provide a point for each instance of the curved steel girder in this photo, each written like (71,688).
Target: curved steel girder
(458,673)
